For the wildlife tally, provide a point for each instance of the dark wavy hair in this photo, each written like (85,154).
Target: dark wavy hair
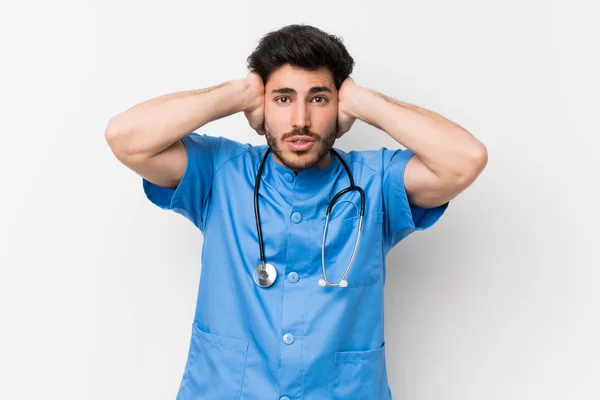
(302,46)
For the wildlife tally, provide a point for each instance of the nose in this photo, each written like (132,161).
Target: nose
(301,116)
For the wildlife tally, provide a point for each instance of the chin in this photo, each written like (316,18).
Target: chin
(299,160)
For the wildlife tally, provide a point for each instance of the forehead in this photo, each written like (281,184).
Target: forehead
(299,79)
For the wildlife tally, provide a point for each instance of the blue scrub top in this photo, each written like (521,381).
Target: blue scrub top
(295,339)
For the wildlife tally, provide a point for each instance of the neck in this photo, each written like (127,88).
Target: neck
(322,164)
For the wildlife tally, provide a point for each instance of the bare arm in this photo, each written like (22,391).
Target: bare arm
(447,157)
(147,137)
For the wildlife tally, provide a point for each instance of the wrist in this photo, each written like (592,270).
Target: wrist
(356,101)
(252,92)
(243,93)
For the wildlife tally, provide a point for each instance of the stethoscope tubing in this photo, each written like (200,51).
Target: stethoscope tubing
(322,282)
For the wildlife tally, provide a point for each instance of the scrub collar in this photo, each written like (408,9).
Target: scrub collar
(284,177)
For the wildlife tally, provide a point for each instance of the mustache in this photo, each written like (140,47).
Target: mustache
(298,132)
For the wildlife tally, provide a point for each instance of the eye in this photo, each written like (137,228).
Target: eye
(287,99)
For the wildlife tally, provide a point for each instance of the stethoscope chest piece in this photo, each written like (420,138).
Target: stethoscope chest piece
(265,275)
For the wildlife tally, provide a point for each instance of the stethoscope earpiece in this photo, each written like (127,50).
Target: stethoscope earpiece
(343,283)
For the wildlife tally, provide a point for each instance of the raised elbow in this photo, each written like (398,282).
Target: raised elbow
(116,137)
(474,165)
(480,158)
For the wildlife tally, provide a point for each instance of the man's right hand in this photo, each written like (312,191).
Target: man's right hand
(255,112)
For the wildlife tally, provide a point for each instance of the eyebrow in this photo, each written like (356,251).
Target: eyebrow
(314,89)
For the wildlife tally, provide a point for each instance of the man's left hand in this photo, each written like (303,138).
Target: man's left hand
(346,118)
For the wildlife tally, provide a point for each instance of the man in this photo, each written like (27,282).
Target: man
(279,315)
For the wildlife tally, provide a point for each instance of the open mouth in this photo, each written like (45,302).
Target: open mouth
(300,143)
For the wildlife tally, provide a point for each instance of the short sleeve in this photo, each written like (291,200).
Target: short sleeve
(401,218)
(191,196)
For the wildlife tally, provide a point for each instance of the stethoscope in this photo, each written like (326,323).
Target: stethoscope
(266,274)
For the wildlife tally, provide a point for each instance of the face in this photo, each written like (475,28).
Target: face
(299,102)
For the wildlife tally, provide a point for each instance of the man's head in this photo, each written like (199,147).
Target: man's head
(302,69)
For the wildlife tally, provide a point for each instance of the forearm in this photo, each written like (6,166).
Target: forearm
(152,126)
(445,147)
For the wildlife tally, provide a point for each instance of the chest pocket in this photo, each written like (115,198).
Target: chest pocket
(339,246)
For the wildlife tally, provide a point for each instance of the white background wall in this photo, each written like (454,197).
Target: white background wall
(499,300)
